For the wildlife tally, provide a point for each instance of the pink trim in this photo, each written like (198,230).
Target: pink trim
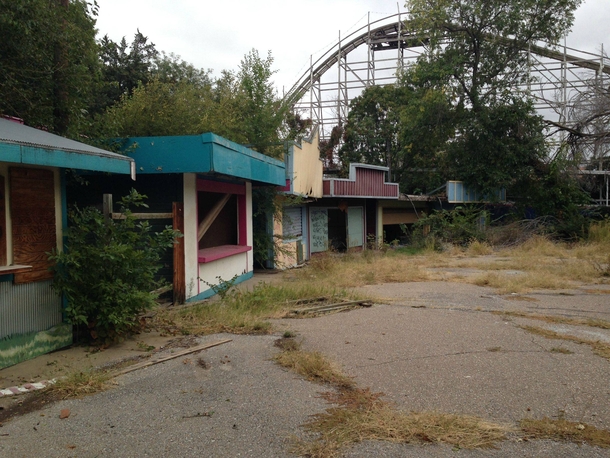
(220,187)
(242,221)
(219,252)
(285,188)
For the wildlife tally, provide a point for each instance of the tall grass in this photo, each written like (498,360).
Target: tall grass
(247,312)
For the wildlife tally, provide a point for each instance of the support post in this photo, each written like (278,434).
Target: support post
(179,277)
(107,206)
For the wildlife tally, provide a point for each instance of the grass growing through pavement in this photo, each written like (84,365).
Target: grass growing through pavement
(540,262)
(310,364)
(567,431)
(246,312)
(358,414)
(591,322)
(78,384)
(599,348)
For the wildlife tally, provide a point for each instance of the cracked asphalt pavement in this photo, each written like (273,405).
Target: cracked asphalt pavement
(433,346)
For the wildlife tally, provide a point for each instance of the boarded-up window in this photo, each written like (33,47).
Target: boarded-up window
(292,225)
(32,212)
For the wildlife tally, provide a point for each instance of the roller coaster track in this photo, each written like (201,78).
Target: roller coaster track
(557,73)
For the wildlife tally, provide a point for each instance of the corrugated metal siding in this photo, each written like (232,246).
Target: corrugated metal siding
(368,183)
(30,307)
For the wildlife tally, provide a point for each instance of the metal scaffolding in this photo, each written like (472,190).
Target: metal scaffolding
(560,83)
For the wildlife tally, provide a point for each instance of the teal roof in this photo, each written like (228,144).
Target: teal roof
(21,144)
(206,153)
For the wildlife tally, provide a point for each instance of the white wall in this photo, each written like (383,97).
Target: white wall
(250,237)
(226,268)
(190,235)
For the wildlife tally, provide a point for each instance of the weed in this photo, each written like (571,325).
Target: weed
(567,431)
(599,232)
(223,287)
(244,312)
(361,415)
(599,348)
(563,351)
(478,248)
(289,334)
(314,367)
(602,267)
(494,349)
(78,384)
(287,344)
(144,347)
(591,322)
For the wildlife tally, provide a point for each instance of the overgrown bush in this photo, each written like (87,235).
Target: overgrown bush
(108,267)
(460,226)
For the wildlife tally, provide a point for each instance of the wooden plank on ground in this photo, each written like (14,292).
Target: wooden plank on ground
(328,307)
(167,358)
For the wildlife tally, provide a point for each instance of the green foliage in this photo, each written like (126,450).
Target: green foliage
(107,270)
(263,113)
(124,67)
(223,287)
(371,132)
(481,44)
(497,146)
(477,52)
(459,226)
(48,62)
(169,108)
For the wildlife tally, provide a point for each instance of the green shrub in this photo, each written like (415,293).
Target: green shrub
(107,270)
(460,226)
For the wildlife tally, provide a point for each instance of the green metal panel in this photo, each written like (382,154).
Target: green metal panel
(22,347)
(355,227)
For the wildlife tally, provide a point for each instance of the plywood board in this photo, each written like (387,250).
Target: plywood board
(32,194)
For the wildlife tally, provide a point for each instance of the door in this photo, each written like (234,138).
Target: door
(355,227)
(319,229)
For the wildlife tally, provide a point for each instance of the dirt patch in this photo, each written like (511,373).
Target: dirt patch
(79,358)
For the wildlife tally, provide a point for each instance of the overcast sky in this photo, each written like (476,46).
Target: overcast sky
(217,34)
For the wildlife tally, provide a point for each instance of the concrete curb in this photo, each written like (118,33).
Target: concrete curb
(16,390)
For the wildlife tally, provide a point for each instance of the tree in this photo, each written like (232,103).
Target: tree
(263,114)
(170,68)
(482,43)
(480,46)
(124,67)
(372,129)
(158,108)
(404,127)
(48,62)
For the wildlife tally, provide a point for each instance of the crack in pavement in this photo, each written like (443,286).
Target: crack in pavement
(460,353)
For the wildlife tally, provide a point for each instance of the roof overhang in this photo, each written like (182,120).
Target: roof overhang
(21,144)
(204,154)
